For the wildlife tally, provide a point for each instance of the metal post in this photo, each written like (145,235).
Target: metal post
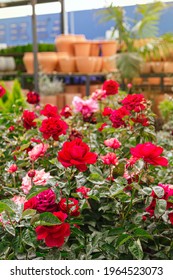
(35,46)
(62,16)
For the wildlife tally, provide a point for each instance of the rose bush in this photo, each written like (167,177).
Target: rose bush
(93,181)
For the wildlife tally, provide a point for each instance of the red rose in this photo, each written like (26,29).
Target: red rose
(11,128)
(69,206)
(54,127)
(142,119)
(54,236)
(42,202)
(84,191)
(111,87)
(102,127)
(110,158)
(46,201)
(2,91)
(117,117)
(76,153)
(28,119)
(66,112)
(107,111)
(150,153)
(12,168)
(50,111)
(31,203)
(134,102)
(33,97)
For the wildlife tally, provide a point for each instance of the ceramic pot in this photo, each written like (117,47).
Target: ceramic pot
(85,64)
(157,66)
(95,48)
(59,56)
(67,64)
(10,63)
(82,48)
(145,68)
(109,64)
(47,61)
(168,81)
(99,64)
(64,43)
(72,89)
(108,48)
(168,67)
(154,81)
(2,64)
(28,60)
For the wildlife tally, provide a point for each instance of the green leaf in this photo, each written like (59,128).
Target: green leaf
(28,238)
(28,213)
(158,191)
(123,238)
(96,179)
(7,205)
(139,232)
(48,219)
(10,229)
(136,249)
(160,208)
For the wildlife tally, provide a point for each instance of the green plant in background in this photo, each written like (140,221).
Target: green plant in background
(12,101)
(166,108)
(145,25)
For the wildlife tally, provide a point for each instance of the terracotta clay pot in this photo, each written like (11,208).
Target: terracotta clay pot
(72,89)
(28,60)
(47,61)
(85,64)
(108,48)
(99,64)
(168,67)
(109,64)
(64,43)
(82,48)
(56,100)
(67,64)
(168,81)
(145,68)
(157,66)
(95,48)
(154,81)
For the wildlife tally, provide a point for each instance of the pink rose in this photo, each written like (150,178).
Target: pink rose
(112,143)
(38,151)
(110,158)
(18,199)
(12,168)
(85,107)
(40,179)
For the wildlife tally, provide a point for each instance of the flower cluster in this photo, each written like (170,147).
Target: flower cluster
(85,181)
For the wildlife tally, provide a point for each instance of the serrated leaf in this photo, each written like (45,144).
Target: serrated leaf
(136,249)
(123,238)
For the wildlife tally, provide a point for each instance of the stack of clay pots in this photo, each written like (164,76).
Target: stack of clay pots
(85,56)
